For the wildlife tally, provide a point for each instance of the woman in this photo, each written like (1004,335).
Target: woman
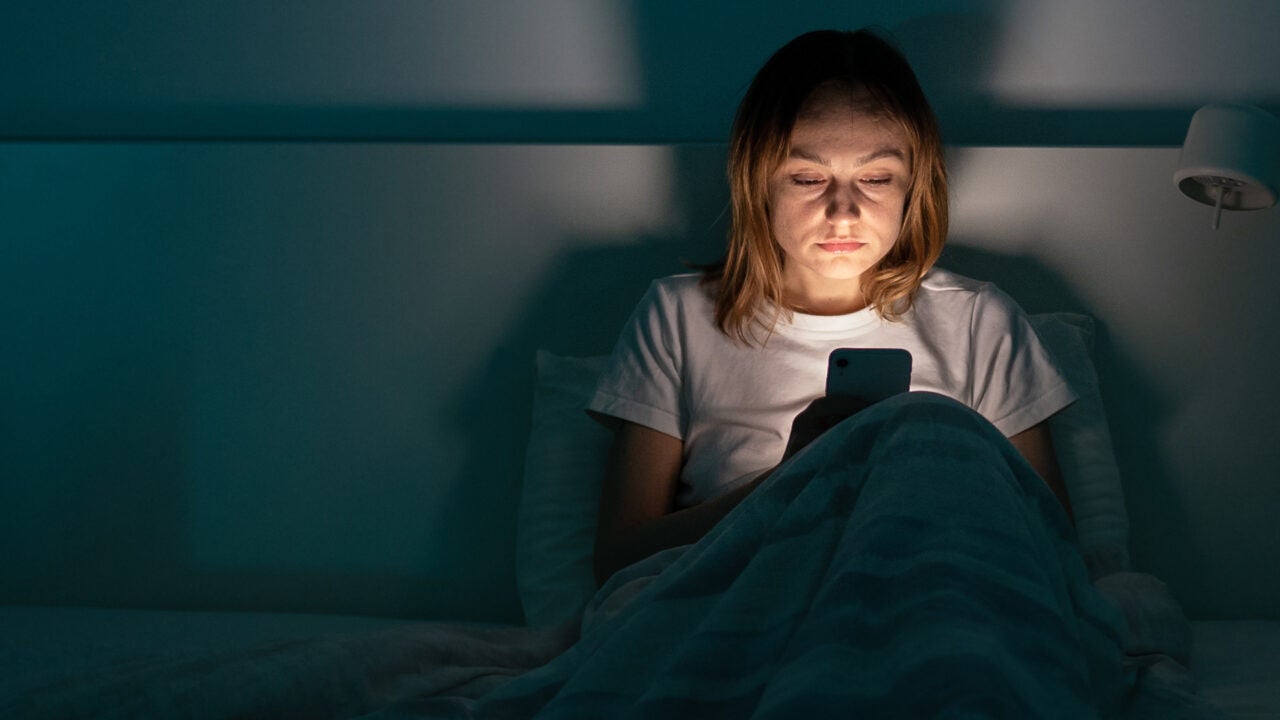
(768,556)
(839,199)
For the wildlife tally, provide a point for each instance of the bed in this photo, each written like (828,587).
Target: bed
(80,662)
(53,654)
(71,654)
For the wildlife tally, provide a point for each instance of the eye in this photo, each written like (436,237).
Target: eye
(807,180)
(877,181)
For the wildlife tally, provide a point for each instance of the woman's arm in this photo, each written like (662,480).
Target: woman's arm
(637,503)
(1036,445)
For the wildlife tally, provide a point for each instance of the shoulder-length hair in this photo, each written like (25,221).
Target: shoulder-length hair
(748,279)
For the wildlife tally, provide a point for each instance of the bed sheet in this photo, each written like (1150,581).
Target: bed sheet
(77,663)
(1237,666)
(1236,663)
(99,632)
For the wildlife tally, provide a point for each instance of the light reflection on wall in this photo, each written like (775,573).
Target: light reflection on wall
(1149,53)
(152,55)
(561,53)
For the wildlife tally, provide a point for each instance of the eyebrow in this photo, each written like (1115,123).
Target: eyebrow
(882,152)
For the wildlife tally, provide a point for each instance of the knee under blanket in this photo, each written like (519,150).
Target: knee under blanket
(907,564)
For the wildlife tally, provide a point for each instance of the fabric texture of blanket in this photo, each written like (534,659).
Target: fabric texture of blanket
(907,564)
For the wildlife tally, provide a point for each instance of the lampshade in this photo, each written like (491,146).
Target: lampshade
(1231,158)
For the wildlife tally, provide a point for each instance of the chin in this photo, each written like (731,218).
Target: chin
(844,271)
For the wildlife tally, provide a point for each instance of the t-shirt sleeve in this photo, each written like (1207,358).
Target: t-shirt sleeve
(1016,384)
(641,382)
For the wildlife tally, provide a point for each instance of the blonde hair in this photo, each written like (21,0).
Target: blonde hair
(749,277)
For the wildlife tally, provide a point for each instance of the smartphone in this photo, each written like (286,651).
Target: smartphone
(870,374)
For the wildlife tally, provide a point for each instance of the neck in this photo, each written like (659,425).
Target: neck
(835,305)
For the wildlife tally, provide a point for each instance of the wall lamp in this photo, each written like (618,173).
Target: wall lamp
(1231,159)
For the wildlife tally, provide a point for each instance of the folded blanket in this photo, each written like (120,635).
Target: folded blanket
(907,564)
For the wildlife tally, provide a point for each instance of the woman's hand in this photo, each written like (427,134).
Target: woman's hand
(821,415)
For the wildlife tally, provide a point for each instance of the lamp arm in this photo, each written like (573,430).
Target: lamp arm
(1217,210)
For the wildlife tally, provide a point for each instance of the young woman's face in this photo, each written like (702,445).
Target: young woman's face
(836,203)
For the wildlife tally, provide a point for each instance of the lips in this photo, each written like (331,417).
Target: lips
(841,247)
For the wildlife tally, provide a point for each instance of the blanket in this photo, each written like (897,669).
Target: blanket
(909,563)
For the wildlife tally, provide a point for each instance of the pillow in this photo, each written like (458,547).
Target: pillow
(564,463)
(1082,443)
(567,451)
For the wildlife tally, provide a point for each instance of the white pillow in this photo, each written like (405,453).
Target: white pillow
(565,462)
(563,467)
(1082,443)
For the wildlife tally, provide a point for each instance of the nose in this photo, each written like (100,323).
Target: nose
(842,205)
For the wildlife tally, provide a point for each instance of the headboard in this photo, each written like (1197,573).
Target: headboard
(297,376)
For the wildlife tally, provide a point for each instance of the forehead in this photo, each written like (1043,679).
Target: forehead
(838,115)
(849,127)
(834,95)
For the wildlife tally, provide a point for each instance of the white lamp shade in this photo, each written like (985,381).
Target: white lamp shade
(1236,147)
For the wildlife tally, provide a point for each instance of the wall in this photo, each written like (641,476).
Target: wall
(1188,318)
(262,341)
(1000,72)
(287,376)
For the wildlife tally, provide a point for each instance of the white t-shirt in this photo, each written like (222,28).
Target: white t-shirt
(732,404)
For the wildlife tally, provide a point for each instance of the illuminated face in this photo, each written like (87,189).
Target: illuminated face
(836,203)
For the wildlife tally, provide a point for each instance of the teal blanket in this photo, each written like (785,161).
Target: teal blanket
(908,564)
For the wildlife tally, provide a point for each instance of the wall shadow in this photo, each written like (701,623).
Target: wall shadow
(583,301)
(686,94)
(1136,407)
(577,308)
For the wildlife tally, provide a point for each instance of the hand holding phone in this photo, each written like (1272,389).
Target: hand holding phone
(856,378)
(820,416)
